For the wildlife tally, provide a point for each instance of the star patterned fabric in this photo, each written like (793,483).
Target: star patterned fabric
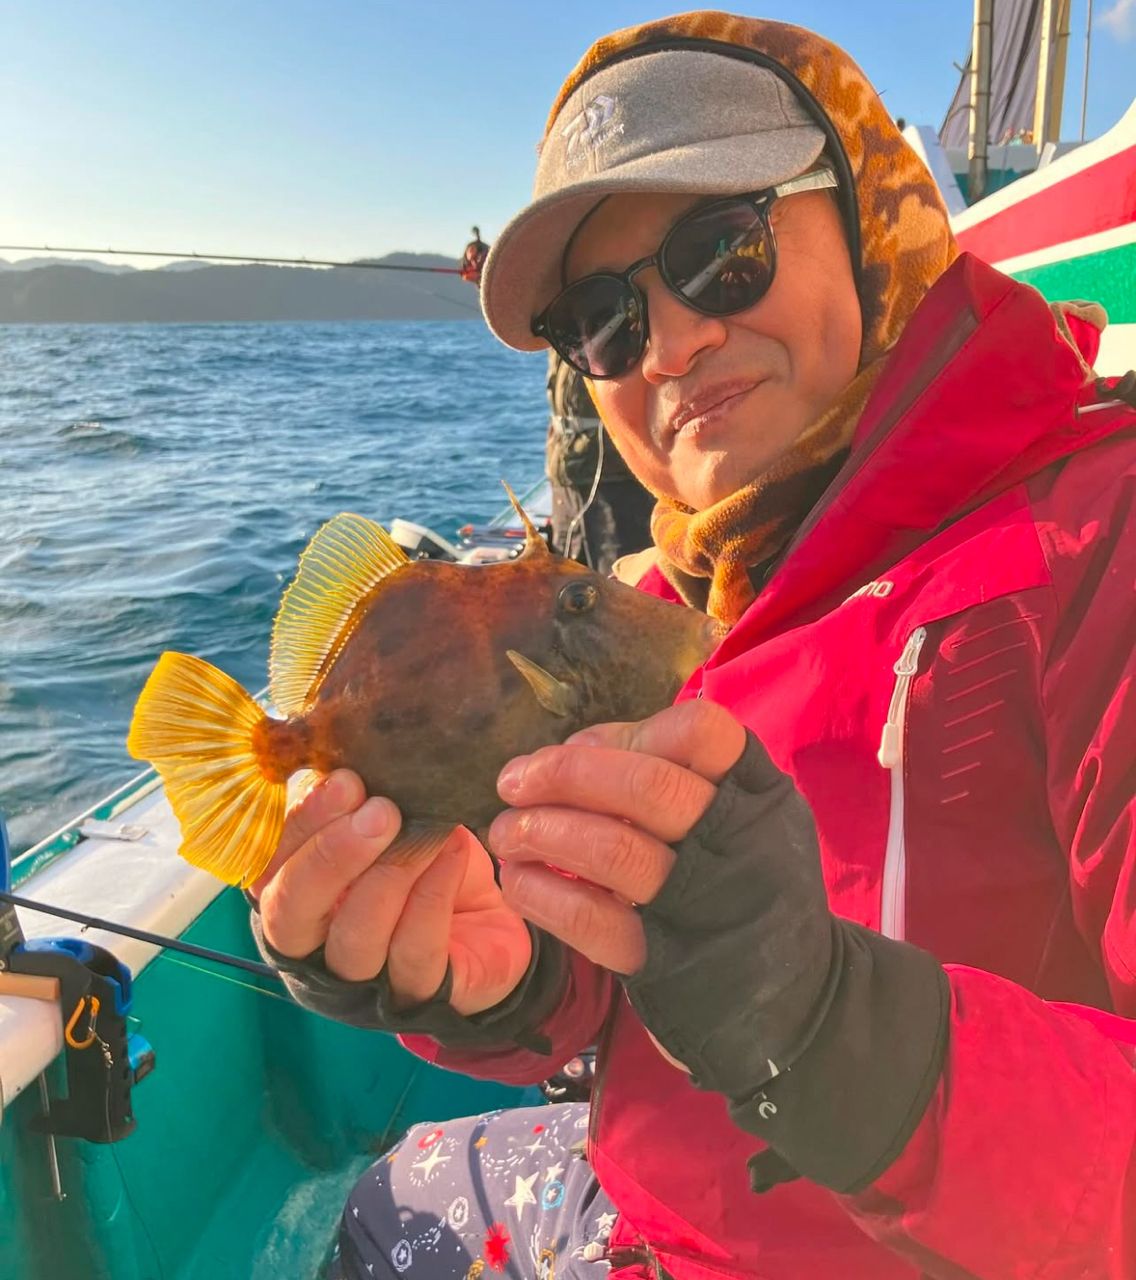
(508,1194)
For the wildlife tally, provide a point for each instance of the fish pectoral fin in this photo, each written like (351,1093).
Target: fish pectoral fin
(552,694)
(417,840)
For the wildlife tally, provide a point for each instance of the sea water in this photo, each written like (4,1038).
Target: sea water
(157,483)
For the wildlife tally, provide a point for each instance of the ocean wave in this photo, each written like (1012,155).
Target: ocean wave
(169,509)
(90,437)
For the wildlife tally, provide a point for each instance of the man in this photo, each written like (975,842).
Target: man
(853,922)
(473,258)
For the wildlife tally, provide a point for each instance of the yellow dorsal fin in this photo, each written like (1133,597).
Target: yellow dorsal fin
(346,559)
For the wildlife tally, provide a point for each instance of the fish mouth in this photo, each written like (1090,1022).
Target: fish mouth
(701,644)
(713,634)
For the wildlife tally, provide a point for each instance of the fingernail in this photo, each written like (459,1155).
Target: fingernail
(585,738)
(510,778)
(503,832)
(372,818)
(336,788)
(493,837)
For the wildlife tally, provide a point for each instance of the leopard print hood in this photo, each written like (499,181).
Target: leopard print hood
(900,242)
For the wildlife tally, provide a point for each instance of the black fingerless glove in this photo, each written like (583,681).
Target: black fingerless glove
(826,1038)
(371,1004)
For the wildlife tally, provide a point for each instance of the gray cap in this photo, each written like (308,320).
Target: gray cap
(673,121)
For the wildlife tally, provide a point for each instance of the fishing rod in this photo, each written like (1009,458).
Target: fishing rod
(141,935)
(228,257)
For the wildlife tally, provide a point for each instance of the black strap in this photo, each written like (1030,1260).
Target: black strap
(1123,389)
(371,1004)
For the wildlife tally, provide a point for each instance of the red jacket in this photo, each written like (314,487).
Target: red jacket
(944,663)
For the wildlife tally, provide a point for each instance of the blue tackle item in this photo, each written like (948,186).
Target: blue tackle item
(11,934)
(103,1060)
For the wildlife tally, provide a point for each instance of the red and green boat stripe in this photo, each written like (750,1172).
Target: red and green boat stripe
(1099,198)
(1107,277)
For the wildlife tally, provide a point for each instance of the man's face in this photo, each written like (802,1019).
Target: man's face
(716,400)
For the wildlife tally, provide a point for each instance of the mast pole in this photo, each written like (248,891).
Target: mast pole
(1053,47)
(1088,50)
(980,59)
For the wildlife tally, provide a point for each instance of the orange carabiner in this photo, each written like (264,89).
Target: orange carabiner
(69,1032)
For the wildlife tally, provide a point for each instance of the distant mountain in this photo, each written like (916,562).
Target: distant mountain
(68,293)
(92,264)
(184,264)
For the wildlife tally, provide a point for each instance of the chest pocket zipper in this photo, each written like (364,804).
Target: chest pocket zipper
(894,888)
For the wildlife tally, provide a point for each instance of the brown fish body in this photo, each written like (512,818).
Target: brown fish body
(424,703)
(423,677)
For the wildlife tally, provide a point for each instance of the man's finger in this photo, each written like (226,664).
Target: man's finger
(419,949)
(664,799)
(602,850)
(587,919)
(339,793)
(296,905)
(364,921)
(696,734)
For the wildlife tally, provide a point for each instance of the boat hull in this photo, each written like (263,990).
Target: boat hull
(256,1121)
(1069,229)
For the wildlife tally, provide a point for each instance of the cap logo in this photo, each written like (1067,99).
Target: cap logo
(590,129)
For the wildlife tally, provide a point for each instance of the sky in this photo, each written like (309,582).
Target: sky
(346,128)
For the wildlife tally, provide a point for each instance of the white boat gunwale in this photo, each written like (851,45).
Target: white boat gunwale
(140,883)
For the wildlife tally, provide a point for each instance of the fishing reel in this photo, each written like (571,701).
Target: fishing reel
(93,990)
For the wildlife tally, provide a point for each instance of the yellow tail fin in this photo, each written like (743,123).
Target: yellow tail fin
(195,725)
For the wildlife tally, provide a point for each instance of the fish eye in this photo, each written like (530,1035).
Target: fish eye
(578,597)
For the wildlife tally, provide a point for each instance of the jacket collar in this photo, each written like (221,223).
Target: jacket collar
(979,393)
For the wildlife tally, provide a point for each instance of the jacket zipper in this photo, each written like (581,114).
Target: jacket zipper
(894,889)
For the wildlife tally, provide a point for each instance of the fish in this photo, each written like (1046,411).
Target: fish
(423,676)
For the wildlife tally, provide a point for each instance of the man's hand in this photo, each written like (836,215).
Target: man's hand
(328,886)
(606,808)
(696,876)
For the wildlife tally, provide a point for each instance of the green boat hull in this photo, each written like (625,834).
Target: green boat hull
(256,1122)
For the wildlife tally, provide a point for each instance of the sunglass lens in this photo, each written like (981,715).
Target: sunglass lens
(597,326)
(720,259)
